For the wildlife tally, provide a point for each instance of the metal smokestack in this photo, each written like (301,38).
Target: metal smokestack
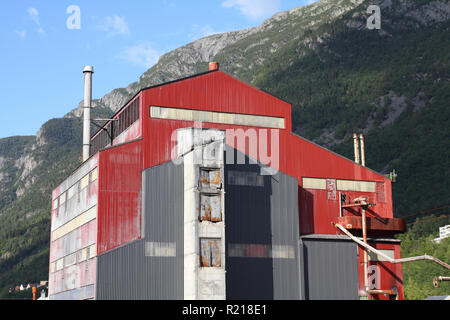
(356,144)
(88,71)
(363,152)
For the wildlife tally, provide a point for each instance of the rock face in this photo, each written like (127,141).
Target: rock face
(238,47)
(241,52)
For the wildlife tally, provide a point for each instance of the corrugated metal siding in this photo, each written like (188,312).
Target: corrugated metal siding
(219,92)
(261,226)
(284,213)
(328,269)
(119,204)
(131,271)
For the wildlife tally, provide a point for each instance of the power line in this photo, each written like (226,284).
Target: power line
(424,211)
(430,219)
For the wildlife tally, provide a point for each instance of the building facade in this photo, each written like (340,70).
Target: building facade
(199,190)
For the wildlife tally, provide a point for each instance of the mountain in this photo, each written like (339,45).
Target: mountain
(392,84)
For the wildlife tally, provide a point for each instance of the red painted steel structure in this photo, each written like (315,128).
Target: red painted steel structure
(149,143)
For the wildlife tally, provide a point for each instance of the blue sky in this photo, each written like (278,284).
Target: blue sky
(44,48)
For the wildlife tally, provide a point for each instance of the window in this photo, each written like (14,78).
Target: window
(210,207)
(62,199)
(55,203)
(210,178)
(84,182)
(94,175)
(125,119)
(242,178)
(210,253)
(71,192)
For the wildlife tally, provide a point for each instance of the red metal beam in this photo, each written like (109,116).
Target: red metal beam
(373,224)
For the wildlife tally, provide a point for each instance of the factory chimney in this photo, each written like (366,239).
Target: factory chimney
(363,152)
(356,145)
(213,66)
(88,71)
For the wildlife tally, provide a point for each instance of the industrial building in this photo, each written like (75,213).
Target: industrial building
(198,189)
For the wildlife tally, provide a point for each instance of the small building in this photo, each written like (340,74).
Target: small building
(444,232)
(198,189)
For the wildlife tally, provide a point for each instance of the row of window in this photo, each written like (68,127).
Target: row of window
(76,189)
(114,128)
(242,178)
(74,258)
(210,198)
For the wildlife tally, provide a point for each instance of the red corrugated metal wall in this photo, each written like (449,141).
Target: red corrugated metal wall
(390,274)
(217,91)
(119,203)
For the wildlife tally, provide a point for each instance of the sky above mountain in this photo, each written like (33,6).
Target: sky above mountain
(46,43)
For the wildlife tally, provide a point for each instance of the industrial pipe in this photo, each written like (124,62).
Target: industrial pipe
(391,260)
(366,258)
(88,71)
(363,152)
(440,278)
(389,292)
(363,202)
(213,66)
(356,146)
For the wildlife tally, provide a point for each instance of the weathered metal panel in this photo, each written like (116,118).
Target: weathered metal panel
(73,227)
(284,220)
(210,179)
(328,269)
(210,207)
(150,268)
(119,209)
(261,234)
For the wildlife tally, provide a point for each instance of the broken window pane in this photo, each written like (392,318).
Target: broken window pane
(210,253)
(210,207)
(210,178)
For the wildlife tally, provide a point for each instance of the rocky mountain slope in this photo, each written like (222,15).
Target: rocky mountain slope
(393,84)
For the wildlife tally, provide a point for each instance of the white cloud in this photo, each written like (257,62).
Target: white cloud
(21,33)
(33,13)
(252,9)
(142,54)
(114,25)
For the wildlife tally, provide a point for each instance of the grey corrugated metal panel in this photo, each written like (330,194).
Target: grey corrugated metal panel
(301,271)
(248,221)
(164,223)
(267,215)
(285,230)
(330,269)
(126,272)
